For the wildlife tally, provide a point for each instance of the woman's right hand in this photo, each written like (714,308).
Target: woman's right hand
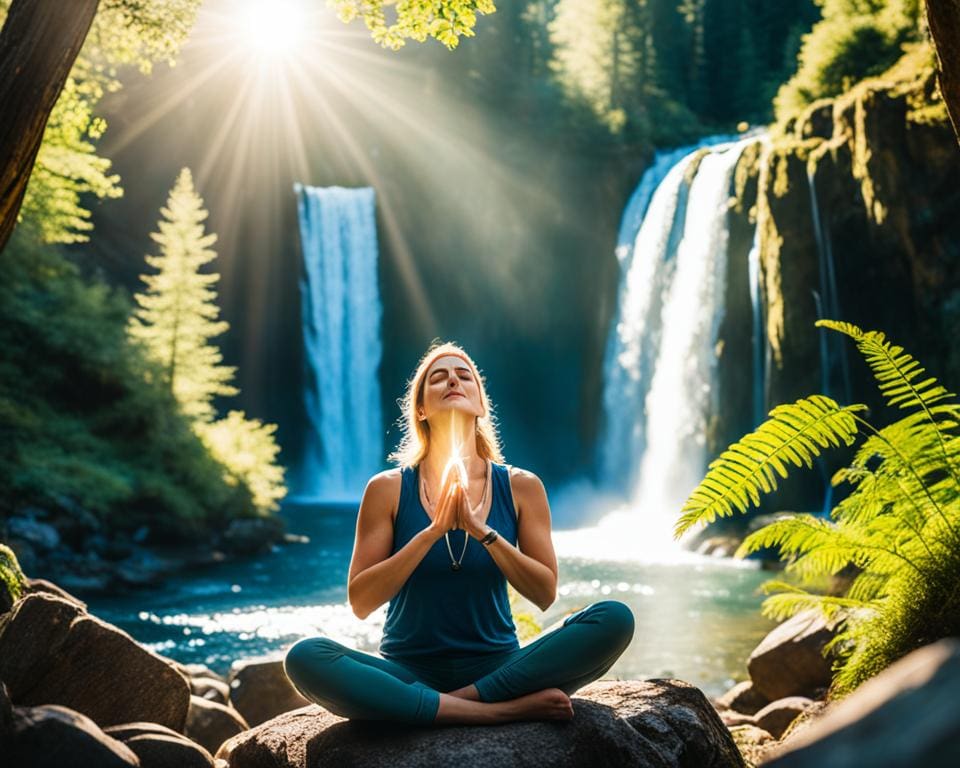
(446,514)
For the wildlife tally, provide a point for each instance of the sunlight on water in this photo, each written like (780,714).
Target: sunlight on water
(697,618)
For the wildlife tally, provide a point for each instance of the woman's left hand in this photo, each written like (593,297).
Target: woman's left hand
(471,520)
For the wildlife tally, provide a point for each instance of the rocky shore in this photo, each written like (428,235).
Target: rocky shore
(76,550)
(77,691)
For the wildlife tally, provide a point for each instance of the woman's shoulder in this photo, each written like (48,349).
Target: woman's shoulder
(386,482)
(523,481)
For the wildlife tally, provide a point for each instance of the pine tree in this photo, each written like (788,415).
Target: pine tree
(178,315)
(176,319)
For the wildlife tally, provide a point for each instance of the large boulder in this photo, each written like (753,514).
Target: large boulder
(777,716)
(208,688)
(790,660)
(210,723)
(653,724)
(53,652)
(260,690)
(744,698)
(908,715)
(44,587)
(159,747)
(55,737)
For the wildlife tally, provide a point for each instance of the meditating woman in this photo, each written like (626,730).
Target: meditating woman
(439,538)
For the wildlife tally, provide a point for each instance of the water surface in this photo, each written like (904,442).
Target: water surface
(696,618)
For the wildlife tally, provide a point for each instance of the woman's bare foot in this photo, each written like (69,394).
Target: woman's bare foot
(548,704)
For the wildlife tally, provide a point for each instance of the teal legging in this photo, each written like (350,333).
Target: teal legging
(362,686)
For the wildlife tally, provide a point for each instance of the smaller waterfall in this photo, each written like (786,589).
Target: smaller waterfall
(833,354)
(341,314)
(758,341)
(833,358)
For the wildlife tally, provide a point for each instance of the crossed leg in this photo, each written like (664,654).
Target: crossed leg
(534,683)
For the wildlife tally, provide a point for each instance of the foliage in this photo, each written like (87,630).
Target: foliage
(11,576)
(899,529)
(598,55)
(443,20)
(855,39)
(663,69)
(177,314)
(84,416)
(123,33)
(527,626)
(247,448)
(175,321)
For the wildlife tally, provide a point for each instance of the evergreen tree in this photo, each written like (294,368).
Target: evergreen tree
(177,315)
(176,319)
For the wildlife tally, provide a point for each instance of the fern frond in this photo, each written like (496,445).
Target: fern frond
(794,434)
(896,371)
(821,548)
(791,599)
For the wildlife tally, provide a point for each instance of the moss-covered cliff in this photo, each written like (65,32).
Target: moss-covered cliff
(885,168)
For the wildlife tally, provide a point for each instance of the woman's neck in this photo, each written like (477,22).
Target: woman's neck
(442,442)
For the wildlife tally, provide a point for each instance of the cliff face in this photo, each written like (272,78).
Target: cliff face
(885,167)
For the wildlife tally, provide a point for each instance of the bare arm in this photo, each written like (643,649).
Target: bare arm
(375,575)
(531,569)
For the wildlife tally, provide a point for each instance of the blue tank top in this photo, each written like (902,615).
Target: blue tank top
(446,613)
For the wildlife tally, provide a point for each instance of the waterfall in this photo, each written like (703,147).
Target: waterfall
(677,406)
(833,354)
(648,237)
(833,358)
(660,363)
(758,340)
(341,314)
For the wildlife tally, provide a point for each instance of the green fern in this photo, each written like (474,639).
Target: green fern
(899,529)
(794,434)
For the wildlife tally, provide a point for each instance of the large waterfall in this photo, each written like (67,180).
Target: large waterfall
(660,366)
(342,344)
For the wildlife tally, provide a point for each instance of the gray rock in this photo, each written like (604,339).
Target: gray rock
(159,747)
(776,717)
(907,716)
(249,536)
(6,713)
(43,536)
(53,652)
(145,569)
(653,724)
(126,731)
(789,661)
(44,587)
(56,737)
(210,689)
(169,752)
(199,671)
(260,690)
(743,697)
(210,723)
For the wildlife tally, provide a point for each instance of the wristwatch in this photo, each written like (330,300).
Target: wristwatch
(489,538)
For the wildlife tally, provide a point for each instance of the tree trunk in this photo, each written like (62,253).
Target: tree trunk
(943,17)
(39,42)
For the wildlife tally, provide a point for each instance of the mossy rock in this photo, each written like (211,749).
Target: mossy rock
(12,580)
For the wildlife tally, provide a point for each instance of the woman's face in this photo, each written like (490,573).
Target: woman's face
(451,385)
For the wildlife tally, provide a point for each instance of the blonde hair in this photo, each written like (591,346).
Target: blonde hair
(415,443)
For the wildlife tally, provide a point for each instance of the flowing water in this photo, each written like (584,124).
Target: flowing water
(697,618)
(341,311)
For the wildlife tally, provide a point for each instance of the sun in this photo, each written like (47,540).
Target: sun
(272,30)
